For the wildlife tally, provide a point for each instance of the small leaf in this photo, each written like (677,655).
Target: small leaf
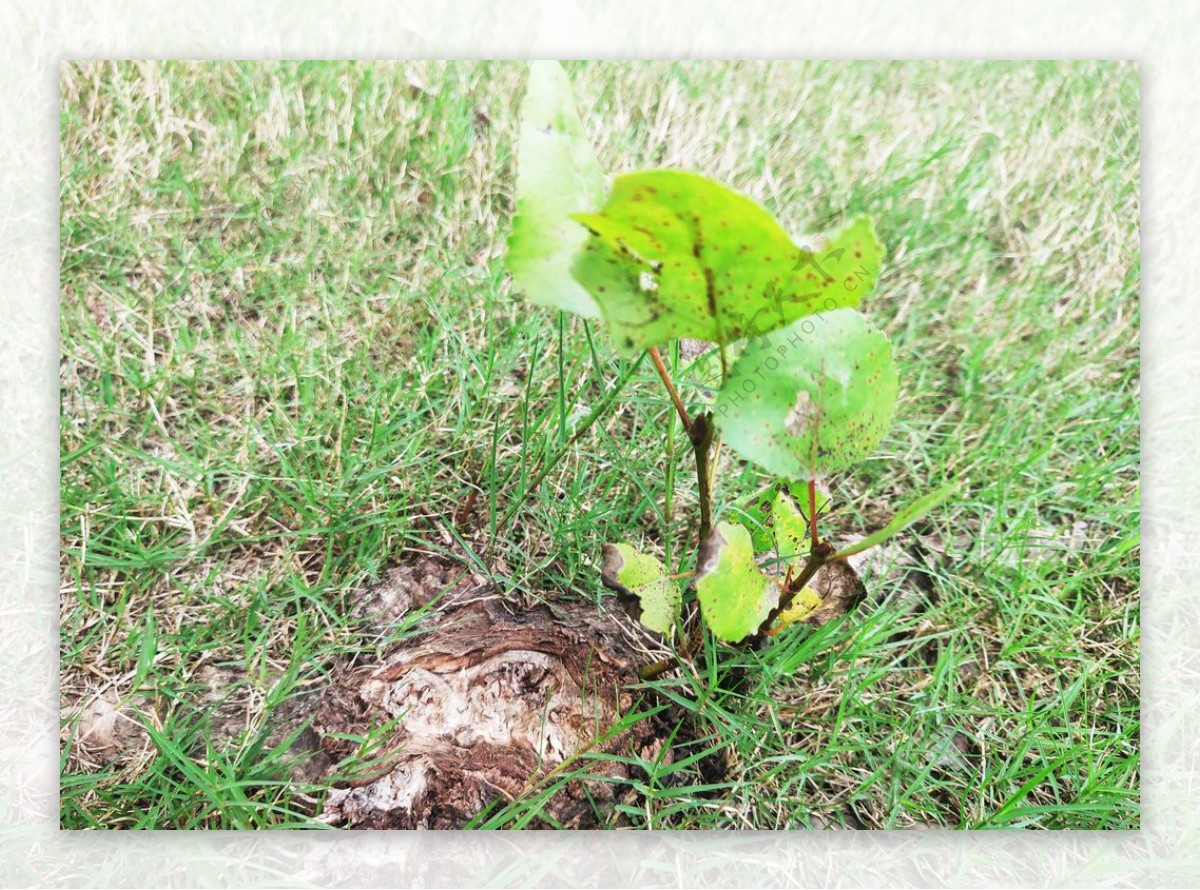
(638,575)
(812,398)
(675,255)
(834,591)
(557,175)
(906,517)
(802,605)
(755,517)
(757,514)
(735,596)
(791,528)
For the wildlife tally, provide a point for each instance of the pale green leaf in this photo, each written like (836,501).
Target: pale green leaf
(642,577)
(675,255)
(557,175)
(735,596)
(812,398)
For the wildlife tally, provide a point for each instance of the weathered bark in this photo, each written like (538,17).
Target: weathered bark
(487,701)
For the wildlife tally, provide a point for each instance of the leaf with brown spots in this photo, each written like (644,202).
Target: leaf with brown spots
(675,255)
(810,399)
(735,596)
(643,580)
(775,508)
(803,604)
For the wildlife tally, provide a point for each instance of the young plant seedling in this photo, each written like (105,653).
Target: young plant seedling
(808,386)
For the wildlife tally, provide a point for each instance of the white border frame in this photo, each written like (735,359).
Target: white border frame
(34,852)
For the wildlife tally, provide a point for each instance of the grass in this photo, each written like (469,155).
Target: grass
(291,351)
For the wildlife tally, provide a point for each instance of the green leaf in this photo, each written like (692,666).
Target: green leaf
(757,514)
(755,517)
(673,255)
(735,596)
(642,577)
(791,528)
(557,175)
(812,398)
(906,517)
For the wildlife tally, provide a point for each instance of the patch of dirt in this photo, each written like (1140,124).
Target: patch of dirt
(105,728)
(458,702)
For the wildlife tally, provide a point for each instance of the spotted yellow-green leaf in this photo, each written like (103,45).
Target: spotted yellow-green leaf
(834,591)
(642,578)
(735,596)
(675,255)
(812,398)
(906,517)
(791,528)
(802,605)
(757,514)
(557,175)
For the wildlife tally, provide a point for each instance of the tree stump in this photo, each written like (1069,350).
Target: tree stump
(487,704)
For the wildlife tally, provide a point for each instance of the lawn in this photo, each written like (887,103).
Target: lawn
(291,353)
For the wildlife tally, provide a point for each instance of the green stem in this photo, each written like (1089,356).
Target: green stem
(562,381)
(672,469)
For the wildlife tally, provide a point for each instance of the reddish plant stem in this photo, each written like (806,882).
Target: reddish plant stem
(701,432)
(670,385)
